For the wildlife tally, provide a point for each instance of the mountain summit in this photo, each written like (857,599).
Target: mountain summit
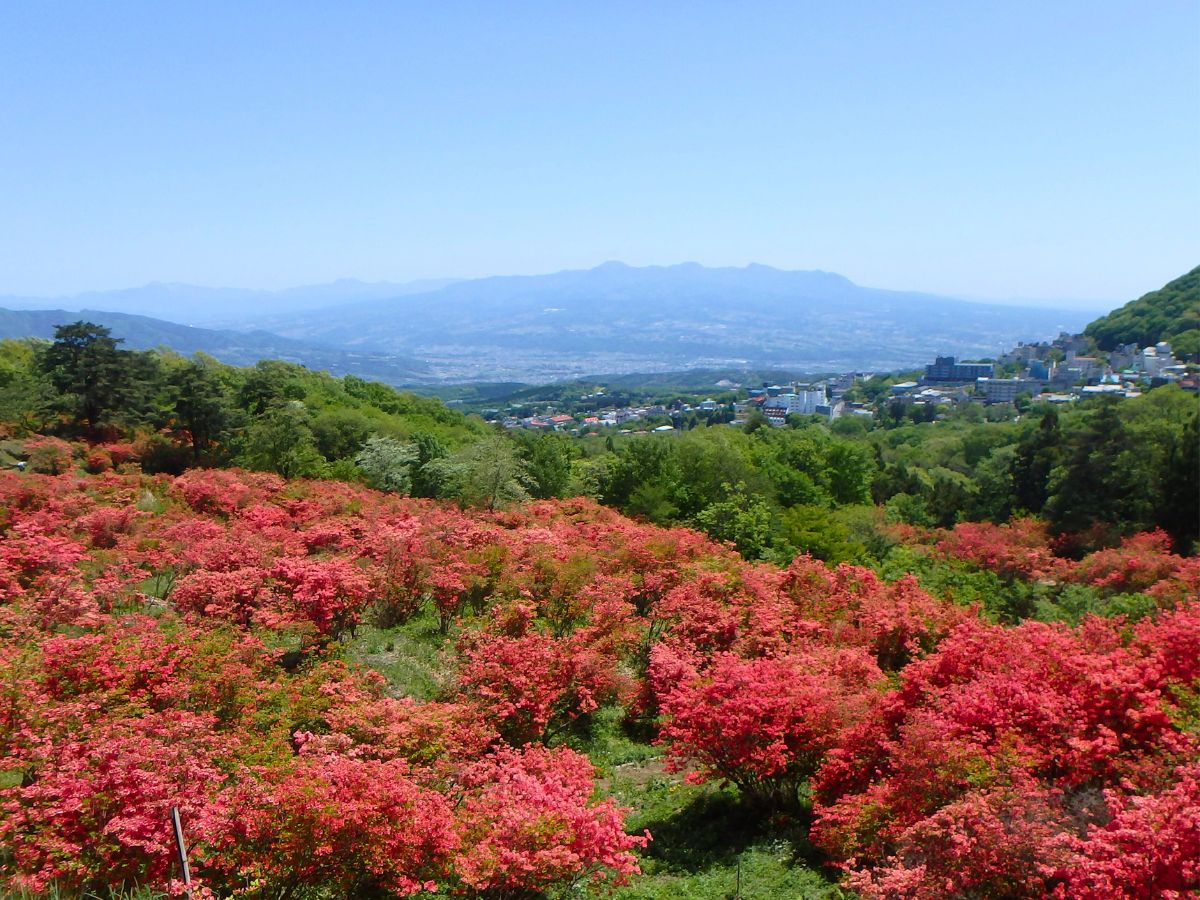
(621,318)
(613,318)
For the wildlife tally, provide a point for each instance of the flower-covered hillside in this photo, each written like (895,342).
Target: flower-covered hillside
(189,642)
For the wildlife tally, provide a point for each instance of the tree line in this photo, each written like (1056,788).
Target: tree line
(1096,471)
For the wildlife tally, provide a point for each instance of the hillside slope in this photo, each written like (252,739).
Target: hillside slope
(232,347)
(1172,313)
(347,693)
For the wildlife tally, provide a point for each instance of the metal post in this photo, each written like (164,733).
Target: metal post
(181,848)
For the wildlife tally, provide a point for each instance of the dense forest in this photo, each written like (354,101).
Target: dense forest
(372,647)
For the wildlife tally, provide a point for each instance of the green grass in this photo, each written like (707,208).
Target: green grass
(410,656)
(8,458)
(606,741)
(758,873)
(149,502)
(709,845)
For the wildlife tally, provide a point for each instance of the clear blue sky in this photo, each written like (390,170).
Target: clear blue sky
(1044,149)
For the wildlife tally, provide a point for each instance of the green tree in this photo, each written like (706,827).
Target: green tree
(27,398)
(909,508)
(548,457)
(994,497)
(489,473)
(756,421)
(202,407)
(1179,507)
(706,462)
(1037,453)
(341,431)
(88,369)
(795,464)
(948,495)
(1105,479)
(743,519)
(653,502)
(851,426)
(850,469)
(271,383)
(281,440)
(425,480)
(638,462)
(813,530)
(387,463)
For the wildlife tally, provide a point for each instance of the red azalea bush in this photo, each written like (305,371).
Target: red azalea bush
(1140,563)
(97,461)
(329,593)
(119,452)
(231,596)
(223,491)
(350,825)
(108,727)
(1150,846)
(896,621)
(174,641)
(1042,715)
(762,724)
(1019,549)
(527,824)
(95,813)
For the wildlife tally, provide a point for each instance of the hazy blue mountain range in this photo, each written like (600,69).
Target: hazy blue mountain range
(613,318)
(240,348)
(221,307)
(617,318)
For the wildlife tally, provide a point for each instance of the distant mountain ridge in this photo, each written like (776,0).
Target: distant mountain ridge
(218,307)
(239,348)
(618,318)
(613,318)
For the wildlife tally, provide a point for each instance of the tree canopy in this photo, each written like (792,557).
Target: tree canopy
(1172,313)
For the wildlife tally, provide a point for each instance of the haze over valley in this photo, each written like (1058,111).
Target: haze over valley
(613,318)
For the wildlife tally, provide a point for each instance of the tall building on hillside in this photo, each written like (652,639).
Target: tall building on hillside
(803,400)
(944,368)
(1006,390)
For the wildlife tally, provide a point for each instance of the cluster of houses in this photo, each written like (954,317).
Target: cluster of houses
(628,419)
(816,398)
(1058,371)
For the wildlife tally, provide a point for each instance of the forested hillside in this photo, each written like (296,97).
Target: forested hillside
(1172,314)
(195,411)
(239,348)
(1106,468)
